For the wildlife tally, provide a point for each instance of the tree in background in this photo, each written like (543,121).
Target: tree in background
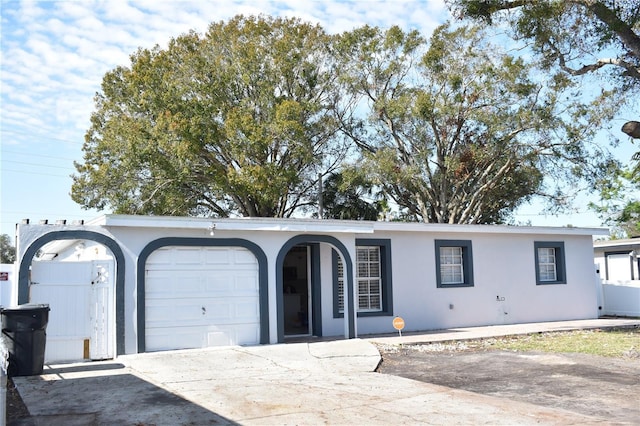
(239,121)
(618,208)
(460,132)
(580,37)
(348,195)
(246,118)
(7,250)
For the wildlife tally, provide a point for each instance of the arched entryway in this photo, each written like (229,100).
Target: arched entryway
(298,287)
(99,270)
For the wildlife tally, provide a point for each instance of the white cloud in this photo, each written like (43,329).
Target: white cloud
(55,53)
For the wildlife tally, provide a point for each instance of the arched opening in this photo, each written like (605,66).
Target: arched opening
(100,286)
(298,287)
(208,330)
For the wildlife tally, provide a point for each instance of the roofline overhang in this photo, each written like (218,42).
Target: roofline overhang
(327,225)
(632,242)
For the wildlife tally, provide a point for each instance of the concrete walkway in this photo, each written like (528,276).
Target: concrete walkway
(468,333)
(299,383)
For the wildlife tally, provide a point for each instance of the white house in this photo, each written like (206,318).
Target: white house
(127,284)
(618,264)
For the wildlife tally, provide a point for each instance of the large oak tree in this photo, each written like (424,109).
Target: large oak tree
(579,36)
(598,38)
(458,132)
(238,121)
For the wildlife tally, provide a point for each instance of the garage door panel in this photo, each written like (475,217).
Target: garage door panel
(173,338)
(180,285)
(185,312)
(245,283)
(244,257)
(202,337)
(217,256)
(214,301)
(160,258)
(237,335)
(167,286)
(240,284)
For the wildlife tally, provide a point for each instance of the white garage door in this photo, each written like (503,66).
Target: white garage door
(619,267)
(197,297)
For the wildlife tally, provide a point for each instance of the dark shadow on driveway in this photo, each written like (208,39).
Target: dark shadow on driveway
(105,394)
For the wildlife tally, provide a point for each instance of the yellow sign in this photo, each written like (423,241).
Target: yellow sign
(398,323)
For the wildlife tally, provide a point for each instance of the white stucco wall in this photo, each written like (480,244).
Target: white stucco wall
(504,290)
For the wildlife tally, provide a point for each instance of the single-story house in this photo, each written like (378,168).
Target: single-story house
(618,264)
(126,284)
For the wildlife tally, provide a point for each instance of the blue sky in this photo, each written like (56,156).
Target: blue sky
(55,53)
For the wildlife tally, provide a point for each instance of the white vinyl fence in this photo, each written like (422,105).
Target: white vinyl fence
(621,298)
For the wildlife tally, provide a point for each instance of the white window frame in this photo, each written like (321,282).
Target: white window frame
(363,279)
(547,264)
(451,266)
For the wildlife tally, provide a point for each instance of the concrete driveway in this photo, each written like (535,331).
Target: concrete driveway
(298,383)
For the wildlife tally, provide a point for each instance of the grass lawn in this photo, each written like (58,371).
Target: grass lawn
(617,342)
(622,342)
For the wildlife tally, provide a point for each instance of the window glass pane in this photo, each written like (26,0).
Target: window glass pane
(363,269)
(547,273)
(374,303)
(546,255)
(451,275)
(374,269)
(374,254)
(451,266)
(547,264)
(363,302)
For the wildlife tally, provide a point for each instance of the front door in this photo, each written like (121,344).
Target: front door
(296,286)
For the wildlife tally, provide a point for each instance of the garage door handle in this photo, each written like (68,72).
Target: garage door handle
(204,310)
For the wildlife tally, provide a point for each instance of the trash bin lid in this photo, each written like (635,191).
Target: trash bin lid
(28,307)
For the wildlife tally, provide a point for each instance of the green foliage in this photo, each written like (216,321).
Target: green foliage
(619,205)
(347,195)
(244,119)
(577,35)
(7,250)
(458,131)
(237,121)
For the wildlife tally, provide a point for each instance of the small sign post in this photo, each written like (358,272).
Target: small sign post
(398,324)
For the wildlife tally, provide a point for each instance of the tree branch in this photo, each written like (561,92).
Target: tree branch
(607,16)
(631,69)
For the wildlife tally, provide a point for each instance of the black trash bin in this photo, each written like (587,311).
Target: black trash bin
(24,327)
